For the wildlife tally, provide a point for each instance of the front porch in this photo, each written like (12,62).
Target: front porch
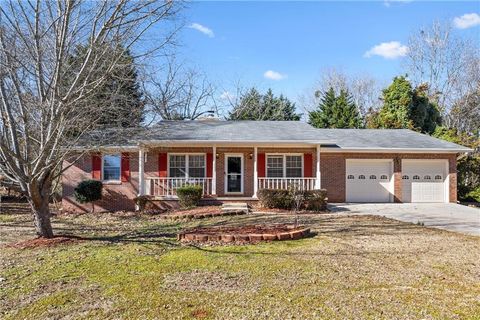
(227,172)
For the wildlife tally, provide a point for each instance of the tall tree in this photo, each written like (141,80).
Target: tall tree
(119,99)
(253,105)
(38,109)
(336,111)
(405,107)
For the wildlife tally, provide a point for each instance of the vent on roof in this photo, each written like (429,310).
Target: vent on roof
(209,116)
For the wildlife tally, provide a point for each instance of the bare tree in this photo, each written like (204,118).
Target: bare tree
(444,60)
(182,93)
(42,113)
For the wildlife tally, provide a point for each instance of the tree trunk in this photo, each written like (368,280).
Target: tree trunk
(39,195)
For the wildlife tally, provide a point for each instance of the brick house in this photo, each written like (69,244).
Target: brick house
(232,160)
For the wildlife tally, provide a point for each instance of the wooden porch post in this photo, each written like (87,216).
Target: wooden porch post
(255,172)
(214,171)
(318,180)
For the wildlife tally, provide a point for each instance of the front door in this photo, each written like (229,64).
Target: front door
(234,174)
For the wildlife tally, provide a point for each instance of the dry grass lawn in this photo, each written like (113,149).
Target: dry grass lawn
(131,267)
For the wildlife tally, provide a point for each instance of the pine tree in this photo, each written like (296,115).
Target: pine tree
(336,111)
(256,106)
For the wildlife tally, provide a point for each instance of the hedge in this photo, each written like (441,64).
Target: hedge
(314,200)
(189,195)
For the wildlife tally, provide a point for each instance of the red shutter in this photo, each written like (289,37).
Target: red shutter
(307,165)
(162,165)
(209,165)
(125,167)
(261,165)
(96,166)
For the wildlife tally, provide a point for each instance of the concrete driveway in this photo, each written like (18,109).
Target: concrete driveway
(448,216)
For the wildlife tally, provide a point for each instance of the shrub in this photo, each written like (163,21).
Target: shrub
(314,200)
(88,191)
(189,195)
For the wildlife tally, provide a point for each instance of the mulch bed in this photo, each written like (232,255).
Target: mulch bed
(244,234)
(42,242)
(200,213)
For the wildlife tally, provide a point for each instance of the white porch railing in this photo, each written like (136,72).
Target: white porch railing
(285,183)
(167,187)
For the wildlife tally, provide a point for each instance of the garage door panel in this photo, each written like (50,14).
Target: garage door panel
(369,181)
(424,181)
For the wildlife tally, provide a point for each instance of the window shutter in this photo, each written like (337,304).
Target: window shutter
(96,166)
(125,167)
(261,165)
(209,165)
(162,165)
(307,165)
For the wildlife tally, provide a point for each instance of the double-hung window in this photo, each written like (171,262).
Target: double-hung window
(111,167)
(187,166)
(284,166)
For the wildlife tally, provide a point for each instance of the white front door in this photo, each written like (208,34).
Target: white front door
(424,181)
(233,174)
(369,180)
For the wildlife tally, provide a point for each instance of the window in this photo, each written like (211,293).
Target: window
(405,178)
(373,177)
(361,177)
(350,177)
(187,166)
(415,177)
(427,177)
(384,177)
(438,177)
(111,167)
(284,166)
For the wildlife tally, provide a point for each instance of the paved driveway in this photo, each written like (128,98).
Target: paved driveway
(448,216)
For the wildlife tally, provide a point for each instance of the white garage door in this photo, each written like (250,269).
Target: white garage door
(424,180)
(369,180)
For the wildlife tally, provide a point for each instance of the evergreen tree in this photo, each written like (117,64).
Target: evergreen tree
(256,106)
(119,99)
(336,111)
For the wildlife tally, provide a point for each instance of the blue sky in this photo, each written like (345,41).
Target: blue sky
(233,41)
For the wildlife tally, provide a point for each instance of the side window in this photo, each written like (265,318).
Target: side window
(415,177)
(111,167)
(361,177)
(350,177)
(405,177)
(373,177)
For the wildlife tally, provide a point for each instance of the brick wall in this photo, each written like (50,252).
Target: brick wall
(333,166)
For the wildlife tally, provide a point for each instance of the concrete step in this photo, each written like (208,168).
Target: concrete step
(235,206)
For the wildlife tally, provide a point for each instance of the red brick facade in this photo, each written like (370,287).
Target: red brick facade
(119,196)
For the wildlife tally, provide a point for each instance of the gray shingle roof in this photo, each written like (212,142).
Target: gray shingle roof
(271,131)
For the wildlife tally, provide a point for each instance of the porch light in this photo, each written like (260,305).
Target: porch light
(250,156)
(217,156)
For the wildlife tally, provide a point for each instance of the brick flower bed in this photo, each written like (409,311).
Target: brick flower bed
(200,213)
(244,234)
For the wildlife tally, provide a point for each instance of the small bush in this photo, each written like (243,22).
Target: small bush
(314,200)
(473,196)
(189,195)
(88,191)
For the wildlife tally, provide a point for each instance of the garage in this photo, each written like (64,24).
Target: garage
(369,180)
(424,181)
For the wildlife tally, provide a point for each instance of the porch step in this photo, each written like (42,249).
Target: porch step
(235,206)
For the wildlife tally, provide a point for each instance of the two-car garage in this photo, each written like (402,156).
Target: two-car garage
(372,180)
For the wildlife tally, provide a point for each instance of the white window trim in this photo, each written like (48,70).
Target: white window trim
(187,154)
(284,164)
(119,181)
(227,155)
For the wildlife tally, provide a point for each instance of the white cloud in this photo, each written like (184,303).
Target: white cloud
(274,75)
(467,21)
(226,95)
(388,50)
(388,3)
(205,30)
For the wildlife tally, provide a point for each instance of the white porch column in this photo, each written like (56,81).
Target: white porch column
(318,180)
(141,172)
(255,172)
(214,171)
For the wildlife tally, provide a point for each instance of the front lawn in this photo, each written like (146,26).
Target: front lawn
(132,267)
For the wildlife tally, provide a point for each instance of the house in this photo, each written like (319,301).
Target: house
(232,160)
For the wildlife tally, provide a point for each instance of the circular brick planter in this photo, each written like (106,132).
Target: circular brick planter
(201,215)
(244,234)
